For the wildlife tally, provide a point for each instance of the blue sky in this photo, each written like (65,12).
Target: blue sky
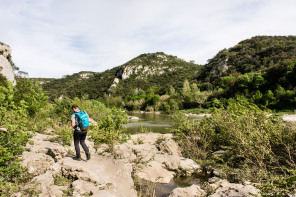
(51,38)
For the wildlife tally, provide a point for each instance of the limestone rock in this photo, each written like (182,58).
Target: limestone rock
(41,144)
(231,189)
(133,118)
(37,163)
(56,153)
(3,129)
(83,188)
(5,66)
(55,168)
(192,191)
(189,166)
(170,146)
(183,166)
(74,171)
(41,183)
(125,154)
(156,173)
(113,176)
(171,162)
(55,190)
(144,152)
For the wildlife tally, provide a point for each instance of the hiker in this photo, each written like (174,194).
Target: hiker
(79,132)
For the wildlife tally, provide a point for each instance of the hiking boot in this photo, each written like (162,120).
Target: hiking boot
(77,158)
(87,156)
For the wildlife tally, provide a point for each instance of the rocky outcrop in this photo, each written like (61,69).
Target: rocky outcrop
(115,82)
(100,176)
(2,129)
(147,65)
(192,191)
(86,75)
(142,71)
(37,163)
(6,68)
(148,158)
(224,188)
(156,157)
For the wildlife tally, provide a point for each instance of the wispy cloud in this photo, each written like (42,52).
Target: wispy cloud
(51,38)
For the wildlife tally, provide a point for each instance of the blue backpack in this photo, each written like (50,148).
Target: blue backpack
(83,120)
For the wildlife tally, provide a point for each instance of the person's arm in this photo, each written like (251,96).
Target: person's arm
(73,123)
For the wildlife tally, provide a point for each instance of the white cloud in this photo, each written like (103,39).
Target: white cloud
(51,38)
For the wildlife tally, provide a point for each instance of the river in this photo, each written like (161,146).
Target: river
(151,122)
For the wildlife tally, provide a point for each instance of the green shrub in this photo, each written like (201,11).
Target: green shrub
(110,130)
(279,186)
(14,119)
(32,93)
(257,144)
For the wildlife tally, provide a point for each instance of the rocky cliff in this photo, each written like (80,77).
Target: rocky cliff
(6,68)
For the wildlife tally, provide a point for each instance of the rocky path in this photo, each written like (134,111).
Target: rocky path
(100,176)
(149,157)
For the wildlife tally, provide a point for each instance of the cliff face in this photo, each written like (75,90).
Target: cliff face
(149,64)
(6,68)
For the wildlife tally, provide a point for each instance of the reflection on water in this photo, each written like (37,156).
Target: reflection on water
(152,122)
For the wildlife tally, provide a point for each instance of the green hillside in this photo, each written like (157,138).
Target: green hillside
(260,53)
(261,68)
(144,71)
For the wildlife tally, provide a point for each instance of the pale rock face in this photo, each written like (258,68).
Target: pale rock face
(5,67)
(37,163)
(170,146)
(126,73)
(154,172)
(224,188)
(192,191)
(115,82)
(3,129)
(142,71)
(85,75)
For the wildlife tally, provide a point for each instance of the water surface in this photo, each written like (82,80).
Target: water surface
(152,122)
(149,122)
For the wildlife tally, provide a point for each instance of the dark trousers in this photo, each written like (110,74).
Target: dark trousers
(79,137)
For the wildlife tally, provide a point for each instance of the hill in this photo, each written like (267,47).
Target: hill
(258,54)
(147,70)
(261,68)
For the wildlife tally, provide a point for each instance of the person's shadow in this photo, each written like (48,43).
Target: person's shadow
(72,156)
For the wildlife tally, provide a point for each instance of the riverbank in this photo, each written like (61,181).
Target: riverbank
(145,158)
